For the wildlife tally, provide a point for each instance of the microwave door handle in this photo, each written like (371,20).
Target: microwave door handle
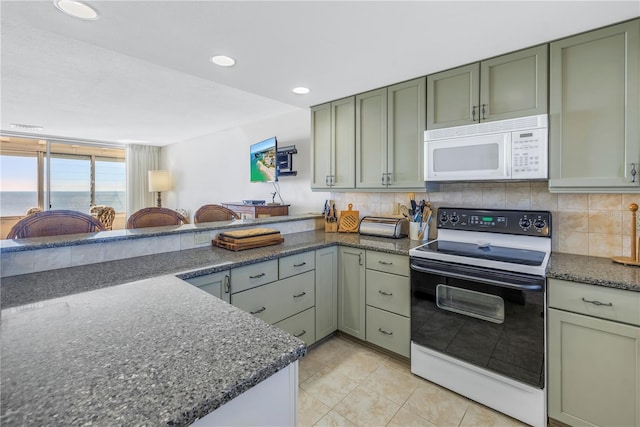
(508,161)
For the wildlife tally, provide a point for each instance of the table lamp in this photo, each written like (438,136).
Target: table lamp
(159,181)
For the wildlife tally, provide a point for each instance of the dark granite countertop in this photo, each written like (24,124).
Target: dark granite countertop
(153,352)
(593,271)
(33,287)
(19,245)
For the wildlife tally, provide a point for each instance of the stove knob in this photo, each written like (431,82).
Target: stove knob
(525,223)
(444,218)
(454,219)
(539,224)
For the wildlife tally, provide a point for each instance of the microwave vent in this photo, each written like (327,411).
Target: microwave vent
(517,124)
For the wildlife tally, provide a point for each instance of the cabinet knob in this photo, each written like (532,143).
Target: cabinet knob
(384,332)
(483,111)
(257,276)
(473,113)
(608,304)
(633,172)
(301,294)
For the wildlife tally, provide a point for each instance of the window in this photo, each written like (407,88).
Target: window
(19,178)
(75,176)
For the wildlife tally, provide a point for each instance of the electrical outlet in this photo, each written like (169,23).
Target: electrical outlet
(201,238)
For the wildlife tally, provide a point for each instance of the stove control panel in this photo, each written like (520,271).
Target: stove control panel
(527,223)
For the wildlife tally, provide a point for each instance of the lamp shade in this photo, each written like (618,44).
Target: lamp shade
(159,180)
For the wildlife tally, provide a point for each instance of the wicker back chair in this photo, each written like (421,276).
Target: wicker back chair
(33,210)
(104,214)
(210,213)
(155,217)
(54,223)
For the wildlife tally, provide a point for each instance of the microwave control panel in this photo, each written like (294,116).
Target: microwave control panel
(529,154)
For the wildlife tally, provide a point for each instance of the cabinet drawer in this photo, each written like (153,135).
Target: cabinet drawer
(301,325)
(388,330)
(389,292)
(278,300)
(598,301)
(250,276)
(389,263)
(296,264)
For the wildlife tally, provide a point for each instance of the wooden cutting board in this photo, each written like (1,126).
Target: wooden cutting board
(247,243)
(248,233)
(349,220)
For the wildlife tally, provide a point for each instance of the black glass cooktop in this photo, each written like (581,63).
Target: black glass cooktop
(487,252)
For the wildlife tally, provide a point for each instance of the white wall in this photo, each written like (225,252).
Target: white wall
(215,168)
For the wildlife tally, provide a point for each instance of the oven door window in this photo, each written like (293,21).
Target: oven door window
(470,303)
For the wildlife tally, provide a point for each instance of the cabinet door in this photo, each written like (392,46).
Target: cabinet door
(320,146)
(326,291)
(371,139)
(452,97)
(343,142)
(594,371)
(351,291)
(406,126)
(514,85)
(216,284)
(594,113)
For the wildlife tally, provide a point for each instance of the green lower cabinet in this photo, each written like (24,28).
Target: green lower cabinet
(351,291)
(594,371)
(326,264)
(216,284)
(389,330)
(301,325)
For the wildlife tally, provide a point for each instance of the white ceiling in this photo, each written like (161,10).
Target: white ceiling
(142,71)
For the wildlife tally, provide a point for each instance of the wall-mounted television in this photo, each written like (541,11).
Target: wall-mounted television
(264,164)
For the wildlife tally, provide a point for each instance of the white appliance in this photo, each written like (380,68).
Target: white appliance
(478,308)
(513,149)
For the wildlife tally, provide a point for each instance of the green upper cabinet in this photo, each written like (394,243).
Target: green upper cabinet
(594,111)
(390,124)
(333,144)
(505,87)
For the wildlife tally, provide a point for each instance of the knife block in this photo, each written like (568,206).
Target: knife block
(634,259)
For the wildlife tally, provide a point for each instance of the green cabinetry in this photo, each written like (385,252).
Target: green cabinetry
(594,111)
(333,144)
(351,291)
(217,284)
(594,355)
(390,124)
(326,291)
(508,86)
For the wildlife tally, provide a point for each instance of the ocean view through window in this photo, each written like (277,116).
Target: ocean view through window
(80,176)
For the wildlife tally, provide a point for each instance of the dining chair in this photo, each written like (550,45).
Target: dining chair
(54,223)
(104,214)
(210,213)
(155,217)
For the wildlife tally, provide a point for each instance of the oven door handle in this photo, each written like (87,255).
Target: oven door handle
(533,287)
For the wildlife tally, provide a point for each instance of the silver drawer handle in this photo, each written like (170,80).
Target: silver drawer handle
(385,332)
(385,263)
(260,310)
(386,294)
(257,276)
(300,265)
(300,334)
(608,304)
(300,295)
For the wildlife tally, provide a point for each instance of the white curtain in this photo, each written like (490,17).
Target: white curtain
(140,160)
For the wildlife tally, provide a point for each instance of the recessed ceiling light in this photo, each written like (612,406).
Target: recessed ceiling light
(25,127)
(77,9)
(223,61)
(300,90)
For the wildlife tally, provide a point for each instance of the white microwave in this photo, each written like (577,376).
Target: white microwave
(513,149)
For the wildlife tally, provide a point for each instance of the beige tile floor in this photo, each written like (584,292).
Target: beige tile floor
(344,383)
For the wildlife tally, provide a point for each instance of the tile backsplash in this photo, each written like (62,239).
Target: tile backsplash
(584,224)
